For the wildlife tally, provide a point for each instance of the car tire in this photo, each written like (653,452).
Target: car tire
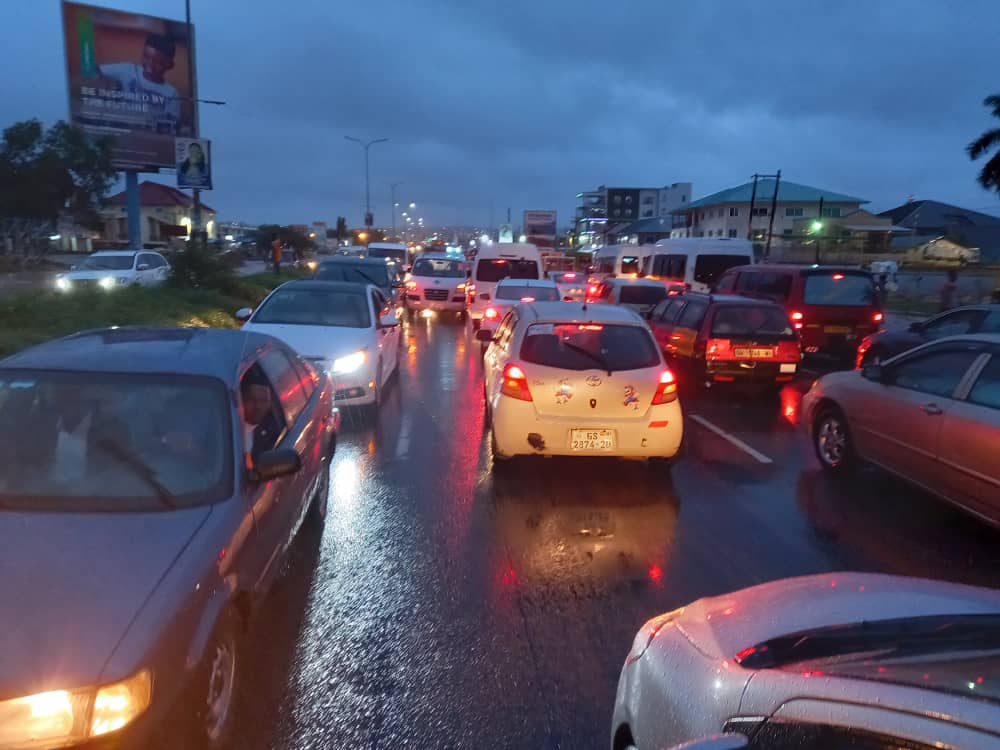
(831,437)
(216,690)
(320,499)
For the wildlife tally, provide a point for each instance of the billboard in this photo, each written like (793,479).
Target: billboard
(193,158)
(540,228)
(623,204)
(130,76)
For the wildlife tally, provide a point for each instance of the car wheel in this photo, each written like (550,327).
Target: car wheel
(216,690)
(487,415)
(318,505)
(832,440)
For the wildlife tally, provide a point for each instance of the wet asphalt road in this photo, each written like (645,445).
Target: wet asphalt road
(444,607)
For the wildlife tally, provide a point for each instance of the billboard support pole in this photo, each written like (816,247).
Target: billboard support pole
(195,193)
(134,210)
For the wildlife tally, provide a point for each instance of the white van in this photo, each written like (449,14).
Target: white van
(503,260)
(397,252)
(618,261)
(695,263)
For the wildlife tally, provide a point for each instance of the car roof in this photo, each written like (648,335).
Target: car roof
(121,252)
(618,281)
(350,287)
(572,312)
(215,352)
(526,282)
(440,256)
(337,259)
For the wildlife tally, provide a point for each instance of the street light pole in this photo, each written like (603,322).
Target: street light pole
(392,199)
(195,229)
(369,220)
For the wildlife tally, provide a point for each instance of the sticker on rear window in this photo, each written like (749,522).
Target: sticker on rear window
(541,329)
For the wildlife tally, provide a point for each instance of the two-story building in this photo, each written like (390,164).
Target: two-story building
(165,212)
(603,210)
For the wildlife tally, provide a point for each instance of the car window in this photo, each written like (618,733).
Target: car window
(674,307)
(307,375)
(496,269)
(661,308)
(751,320)
(506,330)
(156,260)
(953,324)
(287,383)
(443,268)
(606,291)
(708,268)
(774,285)
(642,294)
(113,441)
(839,289)
(630,264)
(693,315)
(986,390)
(936,373)
(674,267)
(991,323)
(518,291)
(314,307)
(378,304)
(747,282)
(794,735)
(727,283)
(145,259)
(107,263)
(571,346)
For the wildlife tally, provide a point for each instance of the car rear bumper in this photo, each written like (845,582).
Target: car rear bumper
(751,371)
(520,430)
(354,389)
(816,340)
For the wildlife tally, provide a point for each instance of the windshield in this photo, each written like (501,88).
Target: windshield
(708,268)
(314,307)
(518,291)
(572,346)
(108,441)
(494,270)
(365,273)
(840,289)
(749,320)
(107,263)
(438,268)
(642,294)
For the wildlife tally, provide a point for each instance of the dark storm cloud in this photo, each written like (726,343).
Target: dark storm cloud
(523,104)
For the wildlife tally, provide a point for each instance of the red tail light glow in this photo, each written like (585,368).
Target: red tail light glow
(838,276)
(863,347)
(590,327)
(515,383)
(527,299)
(491,313)
(666,389)
(569,276)
(796,319)
(877,317)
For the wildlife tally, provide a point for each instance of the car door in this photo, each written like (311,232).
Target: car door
(685,332)
(161,269)
(386,337)
(662,324)
(970,434)
(898,420)
(498,353)
(145,268)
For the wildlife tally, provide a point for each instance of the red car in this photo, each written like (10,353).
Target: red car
(832,307)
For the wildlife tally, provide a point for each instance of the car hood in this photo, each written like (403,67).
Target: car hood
(72,584)
(318,342)
(85,275)
(722,626)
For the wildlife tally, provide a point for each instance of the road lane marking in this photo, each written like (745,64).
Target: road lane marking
(760,457)
(403,443)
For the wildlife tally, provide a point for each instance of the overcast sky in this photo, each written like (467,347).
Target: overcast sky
(523,104)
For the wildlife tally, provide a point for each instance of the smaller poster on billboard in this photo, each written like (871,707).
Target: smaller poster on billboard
(540,228)
(194,163)
(506,233)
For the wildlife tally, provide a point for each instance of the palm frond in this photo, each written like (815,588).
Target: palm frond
(989,175)
(992,103)
(984,143)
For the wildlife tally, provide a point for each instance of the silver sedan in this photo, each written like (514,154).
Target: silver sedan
(838,660)
(930,415)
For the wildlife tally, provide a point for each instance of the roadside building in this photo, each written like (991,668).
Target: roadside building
(165,214)
(941,231)
(607,210)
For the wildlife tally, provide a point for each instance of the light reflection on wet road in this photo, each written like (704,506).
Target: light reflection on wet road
(444,607)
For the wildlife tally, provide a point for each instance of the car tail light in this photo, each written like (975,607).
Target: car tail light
(527,299)
(411,285)
(863,348)
(838,276)
(592,289)
(569,276)
(718,349)
(877,317)
(515,383)
(797,319)
(470,288)
(491,313)
(666,389)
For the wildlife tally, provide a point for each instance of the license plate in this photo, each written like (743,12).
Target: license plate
(753,353)
(837,329)
(592,440)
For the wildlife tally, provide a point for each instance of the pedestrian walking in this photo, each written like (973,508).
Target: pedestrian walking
(949,291)
(882,290)
(276,254)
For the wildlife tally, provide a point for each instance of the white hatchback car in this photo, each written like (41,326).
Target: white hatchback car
(572,380)
(349,330)
(509,292)
(839,660)
(572,284)
(114,269)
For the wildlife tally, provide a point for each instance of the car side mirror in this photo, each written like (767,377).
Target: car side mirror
(875,373)
(726,741)
(484,335)
(388,321)
(279,462)
(142,267)
(243,314)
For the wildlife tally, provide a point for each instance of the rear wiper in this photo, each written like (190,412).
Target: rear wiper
(141,469)
(590,355)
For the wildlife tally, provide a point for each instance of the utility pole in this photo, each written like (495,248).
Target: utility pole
(392,200)
(774,207)
(753,201)
(195,193)
(817,227)
(369,219)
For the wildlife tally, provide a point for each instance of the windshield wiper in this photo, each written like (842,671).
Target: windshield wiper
(365,276)
(593,356)
(141,469)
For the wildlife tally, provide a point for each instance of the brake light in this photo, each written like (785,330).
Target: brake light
(877,317)
(718,349)
(666,389)
(863,348)
(569,276)
(491,313)
(838,276)
(515,383)
(470,288)
(527,299)
(590,327)
(592,289)
(797,319)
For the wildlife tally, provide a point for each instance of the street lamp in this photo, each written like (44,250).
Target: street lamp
(367,145)
(392,200)
(413,205)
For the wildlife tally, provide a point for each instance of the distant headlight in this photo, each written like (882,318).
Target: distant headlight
(63,285)
(59,717)
(350,363)
(312,265)
(107,282)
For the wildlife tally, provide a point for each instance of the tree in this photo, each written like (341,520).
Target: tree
(45,174)
(989,175)
(341,228)
(288,236)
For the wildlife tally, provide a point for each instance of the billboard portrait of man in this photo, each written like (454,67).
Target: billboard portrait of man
(130,77)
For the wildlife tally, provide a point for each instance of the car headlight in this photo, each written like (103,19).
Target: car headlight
(107,282)
(350,363)
(59,717)
(62,284)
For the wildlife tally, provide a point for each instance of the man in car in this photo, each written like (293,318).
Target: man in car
(85,437)
(260,424)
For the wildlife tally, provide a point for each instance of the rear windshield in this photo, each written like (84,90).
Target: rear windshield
(362,273)
(641,294)
(567,277)
(572,346)
(381,252)
(846,290)
(750,320)
(438,268)
(708,268)
(314,307)
(516,291)
(630,264)
(494,270)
